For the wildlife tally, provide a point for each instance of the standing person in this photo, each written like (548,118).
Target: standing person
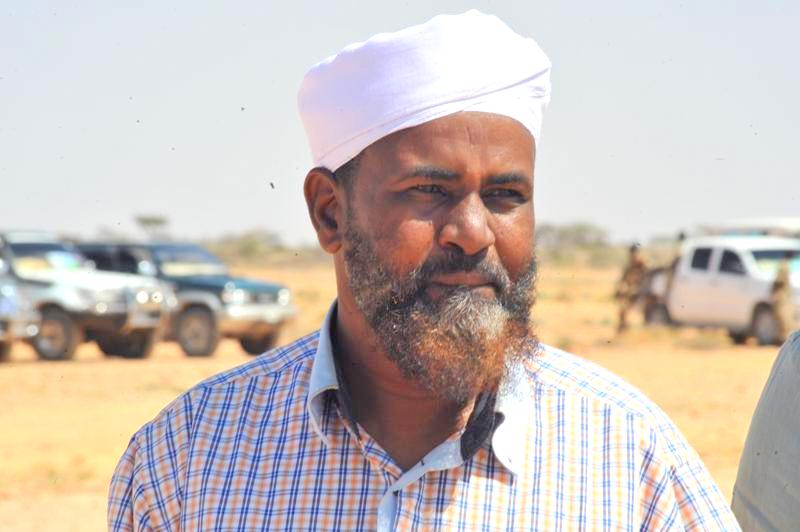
(781,295)
(425,401)
(767,491)
(629,286)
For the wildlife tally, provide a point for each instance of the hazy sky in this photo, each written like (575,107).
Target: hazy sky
(664,113)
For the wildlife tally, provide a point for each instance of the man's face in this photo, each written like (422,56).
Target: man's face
(438,249)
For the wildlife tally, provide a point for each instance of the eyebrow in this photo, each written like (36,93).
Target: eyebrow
(434,173)
(509,178)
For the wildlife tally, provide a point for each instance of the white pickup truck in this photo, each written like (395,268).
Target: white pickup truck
(726,281)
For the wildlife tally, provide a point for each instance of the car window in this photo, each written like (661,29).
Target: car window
(128,263)
(731,263)
(102,259)
(177,260)
(701,258)
(33,256)
(769,260)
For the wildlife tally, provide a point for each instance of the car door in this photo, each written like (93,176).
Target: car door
(732,291)
(691,288)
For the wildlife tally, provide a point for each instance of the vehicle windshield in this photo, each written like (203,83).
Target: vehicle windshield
(768,260)
(183,260)
(46,256)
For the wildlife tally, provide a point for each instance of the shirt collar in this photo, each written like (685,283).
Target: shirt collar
(512,402)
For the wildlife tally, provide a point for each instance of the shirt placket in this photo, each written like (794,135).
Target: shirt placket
(447,455)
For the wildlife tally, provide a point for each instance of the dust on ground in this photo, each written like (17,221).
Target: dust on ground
(65,425)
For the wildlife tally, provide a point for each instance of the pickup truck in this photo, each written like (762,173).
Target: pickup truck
(212,303)
(123,313)
(725,281)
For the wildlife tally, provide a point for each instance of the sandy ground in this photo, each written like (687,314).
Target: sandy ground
(64,425)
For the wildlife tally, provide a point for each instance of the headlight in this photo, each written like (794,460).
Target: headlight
(235,296)
(142,297)
(284,296)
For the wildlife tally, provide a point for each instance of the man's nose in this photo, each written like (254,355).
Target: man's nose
(466,226)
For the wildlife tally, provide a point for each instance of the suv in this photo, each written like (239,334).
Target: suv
(122,313)
(726,281)
(18,319)
(211,302)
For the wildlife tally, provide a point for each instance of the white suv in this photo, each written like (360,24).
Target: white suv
(123,313)
(726,281)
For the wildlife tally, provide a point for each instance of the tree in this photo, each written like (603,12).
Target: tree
(154,226)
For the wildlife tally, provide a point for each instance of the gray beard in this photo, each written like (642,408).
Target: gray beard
(455,346)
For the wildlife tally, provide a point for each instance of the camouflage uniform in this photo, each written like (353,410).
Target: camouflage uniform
(629,287)
(782,300)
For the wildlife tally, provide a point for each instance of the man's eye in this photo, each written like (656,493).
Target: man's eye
(429,189)
(503,193)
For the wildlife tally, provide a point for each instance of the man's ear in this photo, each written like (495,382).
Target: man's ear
(324,202)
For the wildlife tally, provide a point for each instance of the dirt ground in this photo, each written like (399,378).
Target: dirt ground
(64,425)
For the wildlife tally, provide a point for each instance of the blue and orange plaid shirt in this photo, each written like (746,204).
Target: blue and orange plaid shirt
(267,446)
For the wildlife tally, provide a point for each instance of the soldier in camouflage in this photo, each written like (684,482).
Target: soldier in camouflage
(629,286)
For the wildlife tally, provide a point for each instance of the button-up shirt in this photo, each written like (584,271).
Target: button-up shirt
(269,446)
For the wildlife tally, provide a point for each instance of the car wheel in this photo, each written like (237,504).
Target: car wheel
(138,344)
(5,351)
(58,336)
(258,346)
(738,338)
(197,332)
(766,328)
(657,314)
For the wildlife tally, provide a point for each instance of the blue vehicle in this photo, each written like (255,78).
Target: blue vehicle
(19,320)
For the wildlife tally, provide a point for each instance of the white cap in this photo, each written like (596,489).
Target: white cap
(392,81)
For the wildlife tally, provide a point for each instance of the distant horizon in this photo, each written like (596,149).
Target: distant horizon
(139,234)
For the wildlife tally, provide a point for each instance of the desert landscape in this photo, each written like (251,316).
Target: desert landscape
(66,424)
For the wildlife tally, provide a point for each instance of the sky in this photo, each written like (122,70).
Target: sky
(664,115)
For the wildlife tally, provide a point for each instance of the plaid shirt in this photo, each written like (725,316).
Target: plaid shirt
(266,446)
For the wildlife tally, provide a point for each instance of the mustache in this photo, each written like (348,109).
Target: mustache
(412,288)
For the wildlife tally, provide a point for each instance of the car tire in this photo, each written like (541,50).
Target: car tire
(738,338)
(138,344)
(197,332)
(258,346)
(58,337)
(657,314)
(5,351)
(766,327)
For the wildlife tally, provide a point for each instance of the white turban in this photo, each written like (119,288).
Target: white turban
(452,63)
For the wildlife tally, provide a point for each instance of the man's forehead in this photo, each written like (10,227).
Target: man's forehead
(456,142)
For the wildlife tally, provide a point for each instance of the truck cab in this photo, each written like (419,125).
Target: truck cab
(726,281)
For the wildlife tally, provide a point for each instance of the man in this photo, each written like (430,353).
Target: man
(781,297)
(767,491)
(425,401)
(629,286)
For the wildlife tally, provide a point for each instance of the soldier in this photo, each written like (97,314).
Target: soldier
(781,294)
(629,285)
